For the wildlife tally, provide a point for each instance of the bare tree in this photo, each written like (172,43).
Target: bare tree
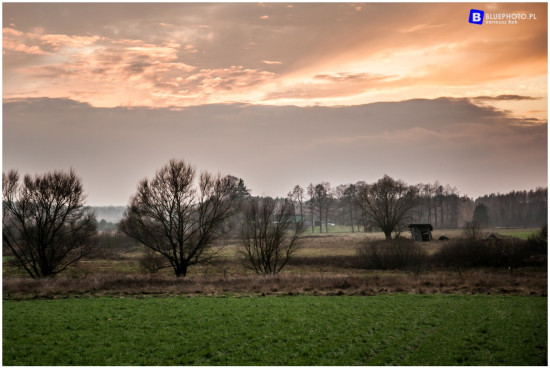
(473,230)
(311,202)
(170,216)
(323,198)
(361,195)
(270,234)
(45,224)
(346,193)
(297,196)
(424,205)
(441,205)
(388,203)
(438,191)
(328,203)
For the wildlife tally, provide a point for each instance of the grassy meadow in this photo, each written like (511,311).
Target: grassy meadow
(300,330)
(335,245)
(326,264)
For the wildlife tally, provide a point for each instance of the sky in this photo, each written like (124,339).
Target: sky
(278,94)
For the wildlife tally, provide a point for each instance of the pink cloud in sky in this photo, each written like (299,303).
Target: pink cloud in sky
(192,54)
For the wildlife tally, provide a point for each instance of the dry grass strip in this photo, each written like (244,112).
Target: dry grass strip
(527,282)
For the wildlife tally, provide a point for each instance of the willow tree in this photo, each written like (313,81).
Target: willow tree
(45,224)
(388,203)
(178,219)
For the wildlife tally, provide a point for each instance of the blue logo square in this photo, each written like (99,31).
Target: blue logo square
(476,16)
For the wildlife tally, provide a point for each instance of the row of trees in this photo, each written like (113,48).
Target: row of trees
(384,204)
(440,205)
(47,227)
(171,217)
(517,208)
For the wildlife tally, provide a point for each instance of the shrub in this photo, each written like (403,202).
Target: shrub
(493,252)
(151,261)
(472,230)
(538,246)
(112,245)
(391,254)
(540,240)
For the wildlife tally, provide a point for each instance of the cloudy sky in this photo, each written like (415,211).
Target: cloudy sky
(277,93)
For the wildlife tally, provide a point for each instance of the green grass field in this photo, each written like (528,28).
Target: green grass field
(522,233)
(518,233)
(305,330)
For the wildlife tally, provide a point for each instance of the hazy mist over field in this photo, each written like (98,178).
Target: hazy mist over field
(277,94)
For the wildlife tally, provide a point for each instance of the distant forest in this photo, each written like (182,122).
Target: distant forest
(517,208)
(438,205)
(446,209)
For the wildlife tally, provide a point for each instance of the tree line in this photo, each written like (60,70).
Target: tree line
(433,203)
(436,204)
(47,227)
(180,216)
(517,208)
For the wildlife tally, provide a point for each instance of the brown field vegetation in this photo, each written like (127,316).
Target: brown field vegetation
(326,264)
(523,282)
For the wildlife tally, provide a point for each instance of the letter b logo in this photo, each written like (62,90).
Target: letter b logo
(476,16)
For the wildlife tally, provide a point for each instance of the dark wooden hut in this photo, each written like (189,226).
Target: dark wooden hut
(421,232)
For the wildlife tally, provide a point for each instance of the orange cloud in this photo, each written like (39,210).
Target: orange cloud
(306,54)
(269,62)
(42,44)
(330,85)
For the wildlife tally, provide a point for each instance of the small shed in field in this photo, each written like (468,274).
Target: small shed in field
(421,232)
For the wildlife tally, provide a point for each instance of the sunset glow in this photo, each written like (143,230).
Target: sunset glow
(277,55)
(175,56)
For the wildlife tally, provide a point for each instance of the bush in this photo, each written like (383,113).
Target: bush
(472,230)
(151,261)
(539,241)
(113,245)
(537,245)
(391,254)
(493,252)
